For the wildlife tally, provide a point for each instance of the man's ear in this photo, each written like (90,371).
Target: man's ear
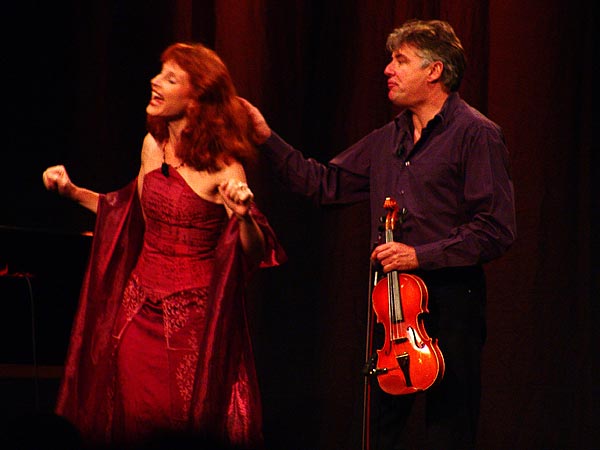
(435,71)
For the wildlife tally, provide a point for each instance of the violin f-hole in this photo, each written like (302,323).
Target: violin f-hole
(404,364)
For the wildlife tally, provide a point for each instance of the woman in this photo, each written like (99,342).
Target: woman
(160,342)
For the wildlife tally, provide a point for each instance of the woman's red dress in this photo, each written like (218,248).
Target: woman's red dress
(160,341)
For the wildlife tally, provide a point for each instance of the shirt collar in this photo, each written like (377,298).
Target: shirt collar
(403,119)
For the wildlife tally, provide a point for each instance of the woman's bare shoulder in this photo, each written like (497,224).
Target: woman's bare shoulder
(232,169)
(151,152)
(150,146)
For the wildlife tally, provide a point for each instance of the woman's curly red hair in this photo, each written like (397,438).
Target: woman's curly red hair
(218,125)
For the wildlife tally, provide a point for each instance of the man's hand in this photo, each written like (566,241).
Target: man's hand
(395,256)
(262,132)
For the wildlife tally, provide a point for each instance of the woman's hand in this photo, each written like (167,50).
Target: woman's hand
(237,196)
(56,179)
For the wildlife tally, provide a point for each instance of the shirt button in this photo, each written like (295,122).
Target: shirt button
(402,192)
(407,163)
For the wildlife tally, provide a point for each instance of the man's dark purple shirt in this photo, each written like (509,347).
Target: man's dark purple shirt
(454,183)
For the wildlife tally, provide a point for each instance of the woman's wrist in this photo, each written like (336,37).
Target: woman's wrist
(244,217)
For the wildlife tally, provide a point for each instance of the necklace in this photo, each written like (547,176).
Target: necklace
(164,168)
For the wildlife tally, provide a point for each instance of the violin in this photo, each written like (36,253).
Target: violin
(409,360)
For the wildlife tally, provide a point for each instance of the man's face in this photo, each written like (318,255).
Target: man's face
(408,76)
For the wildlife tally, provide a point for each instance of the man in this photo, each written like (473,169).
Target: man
(447,166)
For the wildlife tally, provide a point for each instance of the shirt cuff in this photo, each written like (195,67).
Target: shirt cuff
(430,256)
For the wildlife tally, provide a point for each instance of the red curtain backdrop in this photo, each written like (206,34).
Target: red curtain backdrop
(315,68)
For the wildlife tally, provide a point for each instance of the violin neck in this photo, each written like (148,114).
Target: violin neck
(394,298)
(389,236)
(393,279)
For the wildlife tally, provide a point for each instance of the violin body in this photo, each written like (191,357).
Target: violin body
(409,361)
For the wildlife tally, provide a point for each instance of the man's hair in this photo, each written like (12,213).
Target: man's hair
(434,40)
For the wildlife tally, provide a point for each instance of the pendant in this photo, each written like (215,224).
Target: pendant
(165,169)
